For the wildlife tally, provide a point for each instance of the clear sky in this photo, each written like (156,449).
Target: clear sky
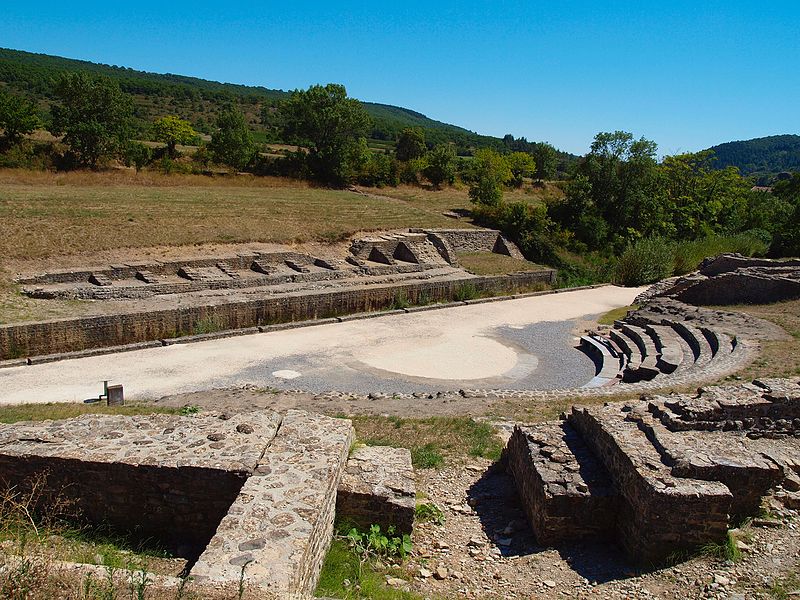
(687,74)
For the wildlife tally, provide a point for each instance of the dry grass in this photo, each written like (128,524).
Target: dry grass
(432,441)
(46,214)
(779,358)
(457,198)
(489,263)
(66,410)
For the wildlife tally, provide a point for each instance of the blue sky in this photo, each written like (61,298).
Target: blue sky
(685,74)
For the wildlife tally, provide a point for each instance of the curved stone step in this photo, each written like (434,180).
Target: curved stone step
(607,364)
(702,350)
(670,352)
(628,347)
(648,369)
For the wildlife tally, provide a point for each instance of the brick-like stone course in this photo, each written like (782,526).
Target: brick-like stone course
(567,494)
(684,468)
(378,488)
(163,476)
(660,514)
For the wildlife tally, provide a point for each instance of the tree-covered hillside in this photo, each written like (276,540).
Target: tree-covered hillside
(199,101)
(763,157)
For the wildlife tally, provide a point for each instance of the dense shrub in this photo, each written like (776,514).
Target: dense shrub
(646,261)
(651,259)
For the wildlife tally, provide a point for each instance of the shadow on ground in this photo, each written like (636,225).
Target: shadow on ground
(497,504)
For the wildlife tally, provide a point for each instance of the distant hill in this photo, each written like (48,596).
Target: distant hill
(762,158)
(198,100)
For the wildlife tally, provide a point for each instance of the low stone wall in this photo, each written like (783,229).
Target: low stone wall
(566,493)
(275,536)
(475,240)
(740,287)
(659,513)
(163,477)
(724,263)
(66,335)
(377,488)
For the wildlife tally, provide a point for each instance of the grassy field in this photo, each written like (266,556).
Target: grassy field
(457,198)
(488,263)
(45,214)
(778,358)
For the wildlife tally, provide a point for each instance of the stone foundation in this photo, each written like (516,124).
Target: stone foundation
(67,335)
(378,488)
(683,469)
(249,499)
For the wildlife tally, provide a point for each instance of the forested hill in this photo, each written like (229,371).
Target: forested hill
(763,157)
(197,100)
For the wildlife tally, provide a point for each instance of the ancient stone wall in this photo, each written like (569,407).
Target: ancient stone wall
(566,492)
(377,488)
(476,240)
(32,339)
(163,477)
(740,287)
(725,263)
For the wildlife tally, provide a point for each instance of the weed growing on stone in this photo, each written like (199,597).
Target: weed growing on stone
(785,588)
(189,410)
(725,550)
(428,511)
(345,576)
(376,543)
(466,291)
(207,325)
(400,301)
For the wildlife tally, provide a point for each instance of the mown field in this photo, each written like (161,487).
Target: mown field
(46,214)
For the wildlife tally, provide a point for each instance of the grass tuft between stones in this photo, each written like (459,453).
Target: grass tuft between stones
(344,575)
(433,441)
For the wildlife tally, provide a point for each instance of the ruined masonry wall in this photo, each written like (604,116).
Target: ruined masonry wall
(33,339)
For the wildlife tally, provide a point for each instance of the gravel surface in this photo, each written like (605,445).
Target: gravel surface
(546,358)
(486,550)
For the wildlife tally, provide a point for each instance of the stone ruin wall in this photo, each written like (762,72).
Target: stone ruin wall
(661,475)
(66,335)
(475,240)
(155,499)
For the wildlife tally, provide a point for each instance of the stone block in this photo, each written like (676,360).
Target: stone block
(378,488)
(566,493)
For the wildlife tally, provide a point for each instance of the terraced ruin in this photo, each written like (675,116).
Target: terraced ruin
(249,498)
(150,302)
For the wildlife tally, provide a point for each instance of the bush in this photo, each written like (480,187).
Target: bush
(646,261)
(652,259)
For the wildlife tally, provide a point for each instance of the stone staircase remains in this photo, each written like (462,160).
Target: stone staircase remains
(662,475)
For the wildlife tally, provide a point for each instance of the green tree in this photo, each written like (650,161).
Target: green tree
(329,124)
(440,166)
(521,165)
(546,159)
(624,186)
(410,144)
(173,131)
(94,116)
(786,228)
(491,171)
(231,143)
(17,118)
